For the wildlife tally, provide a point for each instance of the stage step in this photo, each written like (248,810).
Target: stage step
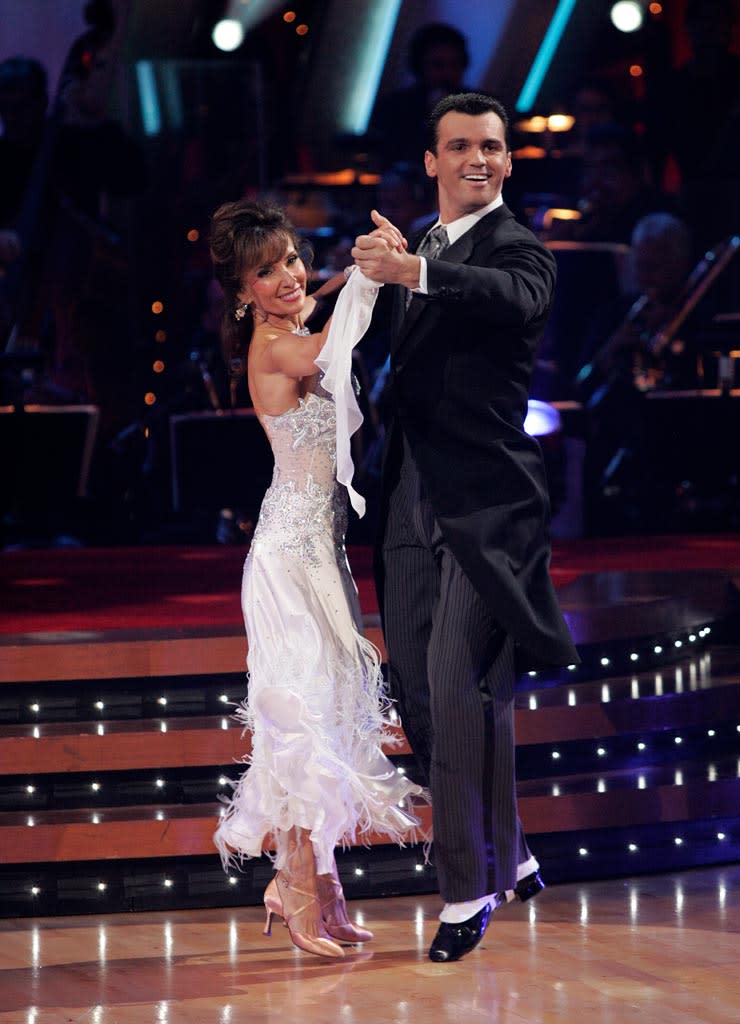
(115,743)
(693,695)
(610,799)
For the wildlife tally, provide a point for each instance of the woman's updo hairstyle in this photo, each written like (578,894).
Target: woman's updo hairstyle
(244,235)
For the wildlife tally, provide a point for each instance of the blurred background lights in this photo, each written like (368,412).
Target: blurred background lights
(228,34)
(541,418)
(626,15)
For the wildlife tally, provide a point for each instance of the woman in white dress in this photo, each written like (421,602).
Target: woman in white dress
(316,774)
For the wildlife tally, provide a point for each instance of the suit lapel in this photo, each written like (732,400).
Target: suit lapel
(461,251)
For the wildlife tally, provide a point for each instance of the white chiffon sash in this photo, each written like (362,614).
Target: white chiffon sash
(351,319)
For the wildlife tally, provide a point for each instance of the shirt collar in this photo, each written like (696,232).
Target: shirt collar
(457,228)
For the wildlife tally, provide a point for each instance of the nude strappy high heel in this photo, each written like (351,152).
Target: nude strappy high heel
(302,914)
(334,911)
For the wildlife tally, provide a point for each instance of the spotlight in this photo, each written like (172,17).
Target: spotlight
(228,34)
(626,15)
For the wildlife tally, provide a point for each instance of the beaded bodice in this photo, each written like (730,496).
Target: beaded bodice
(304,501)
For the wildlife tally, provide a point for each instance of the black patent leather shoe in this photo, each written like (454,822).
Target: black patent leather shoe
(455,940)
(528,887)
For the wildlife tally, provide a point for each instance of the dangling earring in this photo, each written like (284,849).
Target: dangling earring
(241,311)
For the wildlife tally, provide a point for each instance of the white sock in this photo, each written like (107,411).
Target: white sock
(528,867)
(456,913)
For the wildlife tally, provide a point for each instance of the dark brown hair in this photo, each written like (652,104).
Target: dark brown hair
(472,103)
(244,235)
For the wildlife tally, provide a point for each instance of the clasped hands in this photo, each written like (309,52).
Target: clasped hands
(382,255)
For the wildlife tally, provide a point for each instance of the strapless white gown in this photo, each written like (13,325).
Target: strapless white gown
(315,705)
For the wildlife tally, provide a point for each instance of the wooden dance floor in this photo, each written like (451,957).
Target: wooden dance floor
(651,949)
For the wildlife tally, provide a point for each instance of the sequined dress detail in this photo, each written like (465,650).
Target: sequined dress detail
(315,704)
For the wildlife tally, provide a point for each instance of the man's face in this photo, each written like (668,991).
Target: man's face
(470,164)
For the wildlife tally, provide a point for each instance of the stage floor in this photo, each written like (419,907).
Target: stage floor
(650,949)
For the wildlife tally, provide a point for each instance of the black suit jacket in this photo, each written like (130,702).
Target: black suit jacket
(461,362)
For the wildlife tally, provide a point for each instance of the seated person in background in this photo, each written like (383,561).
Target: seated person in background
(656,346)
(660,263)
(615,189)
(592,104)
(437,58)
(404,190)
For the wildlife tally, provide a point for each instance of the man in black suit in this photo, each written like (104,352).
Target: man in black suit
(463,570)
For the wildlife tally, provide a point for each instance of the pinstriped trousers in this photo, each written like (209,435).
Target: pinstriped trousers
(451,671)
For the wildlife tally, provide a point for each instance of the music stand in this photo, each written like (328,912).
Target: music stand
(587,298)
(219,460)
(47,450)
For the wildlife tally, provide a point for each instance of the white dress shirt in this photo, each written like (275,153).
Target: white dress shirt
(456,229)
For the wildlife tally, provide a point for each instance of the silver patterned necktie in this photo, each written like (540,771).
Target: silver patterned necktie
(432,244)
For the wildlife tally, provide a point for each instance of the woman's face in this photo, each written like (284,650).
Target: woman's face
(277,287)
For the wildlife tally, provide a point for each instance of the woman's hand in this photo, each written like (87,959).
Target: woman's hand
(382,256)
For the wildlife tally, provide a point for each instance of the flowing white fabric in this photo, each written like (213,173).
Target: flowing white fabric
(316,704)
(351,319)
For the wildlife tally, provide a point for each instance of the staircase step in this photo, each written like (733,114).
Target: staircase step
(186,830)
(190,740)
(118,746)
(121,833)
